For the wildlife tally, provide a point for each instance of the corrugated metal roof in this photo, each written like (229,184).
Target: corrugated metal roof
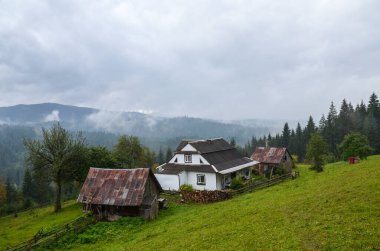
(117,187)
(270,155)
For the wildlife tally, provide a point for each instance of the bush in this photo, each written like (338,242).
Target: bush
(236,183)
(186,187)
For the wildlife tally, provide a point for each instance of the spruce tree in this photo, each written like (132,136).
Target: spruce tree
(169,154)
(160,157)
(331,130)
(10,191)
(300,145)
(27,185)
(285,135)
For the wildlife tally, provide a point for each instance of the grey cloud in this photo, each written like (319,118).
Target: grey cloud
(216,59)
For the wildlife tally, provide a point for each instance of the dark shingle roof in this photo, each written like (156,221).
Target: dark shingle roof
(206,146)
(221,156)
(172,168)
(118,187)
(270,155)
(233,163)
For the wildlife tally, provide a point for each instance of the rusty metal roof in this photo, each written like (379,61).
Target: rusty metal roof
(117,187)
(270,155)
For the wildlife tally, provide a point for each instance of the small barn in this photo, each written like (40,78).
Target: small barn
(272,160)
(111,193)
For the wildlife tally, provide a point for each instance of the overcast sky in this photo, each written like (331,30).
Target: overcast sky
(213,59)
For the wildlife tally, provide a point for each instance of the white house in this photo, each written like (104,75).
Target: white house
(204,164)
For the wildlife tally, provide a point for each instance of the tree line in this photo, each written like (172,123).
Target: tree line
(332,127)
(57,165)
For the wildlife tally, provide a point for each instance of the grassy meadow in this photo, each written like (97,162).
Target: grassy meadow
(338,209)
(27,224)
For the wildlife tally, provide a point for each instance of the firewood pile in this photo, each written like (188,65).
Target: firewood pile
(204,196)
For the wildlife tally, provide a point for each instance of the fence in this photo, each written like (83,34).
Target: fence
(268,183)
(43,237)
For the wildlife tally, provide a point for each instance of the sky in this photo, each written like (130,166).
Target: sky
(212,59)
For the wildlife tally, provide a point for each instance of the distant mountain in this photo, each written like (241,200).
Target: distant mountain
(134,123)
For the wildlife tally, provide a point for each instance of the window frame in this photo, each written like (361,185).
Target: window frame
(204,179)
(188,158)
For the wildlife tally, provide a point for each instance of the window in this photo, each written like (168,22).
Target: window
(200,161)
(175,161)
(201,179)
(188,158)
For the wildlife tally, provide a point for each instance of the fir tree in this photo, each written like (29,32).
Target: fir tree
(160,157)
(27,185)
(169,154)
(10,192)
(285,135)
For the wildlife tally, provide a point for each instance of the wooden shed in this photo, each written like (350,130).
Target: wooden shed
(111,193)
(272,158)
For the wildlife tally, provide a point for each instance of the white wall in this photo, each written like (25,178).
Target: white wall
(189,148)
(183,178)
(168,182)
(219,181)
(210,181)
(195,159)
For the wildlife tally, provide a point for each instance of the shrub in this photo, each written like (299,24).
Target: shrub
(236,183)
(186,187)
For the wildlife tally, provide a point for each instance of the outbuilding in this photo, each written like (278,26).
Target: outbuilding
(272,160)
(111,193)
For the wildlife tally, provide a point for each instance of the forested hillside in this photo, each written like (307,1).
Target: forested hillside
(362,118)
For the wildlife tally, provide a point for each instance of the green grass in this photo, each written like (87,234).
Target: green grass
(338,209)
(27,224)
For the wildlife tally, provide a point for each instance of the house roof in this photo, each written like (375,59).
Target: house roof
(224,166)
(206,146)
(173,168)
(117,187)
(270,155)
(221,156)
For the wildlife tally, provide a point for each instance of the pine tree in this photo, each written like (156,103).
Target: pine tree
(160,157)
(372,123)
(310,128)
(285,135)
(331,130)
(300,146)
(27,185)
(344,122)
(169,154)
(10,192)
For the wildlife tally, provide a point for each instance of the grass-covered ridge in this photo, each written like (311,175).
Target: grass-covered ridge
(27,224)
(338,209)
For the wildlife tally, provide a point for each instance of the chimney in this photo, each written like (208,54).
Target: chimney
(266,143)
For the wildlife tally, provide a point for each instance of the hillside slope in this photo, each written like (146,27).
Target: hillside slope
(338,209)
(16,230)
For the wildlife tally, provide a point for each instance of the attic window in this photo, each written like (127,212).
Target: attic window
(175,161)
(188,158)
(200,161)
(201,179)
